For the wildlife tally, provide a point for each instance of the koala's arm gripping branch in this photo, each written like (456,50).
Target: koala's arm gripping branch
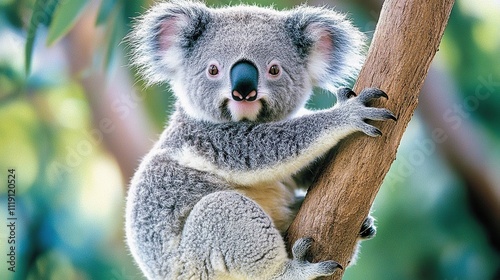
(249,153)
(405,41)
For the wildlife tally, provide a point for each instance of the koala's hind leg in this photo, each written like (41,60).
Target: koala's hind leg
(228,236)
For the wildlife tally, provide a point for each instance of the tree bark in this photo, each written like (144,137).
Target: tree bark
(405,41)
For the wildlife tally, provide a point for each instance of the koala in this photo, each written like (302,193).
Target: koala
(214,196)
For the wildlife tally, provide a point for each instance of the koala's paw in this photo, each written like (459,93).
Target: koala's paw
(300,268)
(356,111)
(368,229)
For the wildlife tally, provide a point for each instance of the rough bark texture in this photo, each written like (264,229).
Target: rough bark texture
(405,41)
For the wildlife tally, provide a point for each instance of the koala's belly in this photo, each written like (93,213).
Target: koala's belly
(275,199)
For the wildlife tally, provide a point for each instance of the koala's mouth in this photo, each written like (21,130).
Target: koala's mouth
(244,110)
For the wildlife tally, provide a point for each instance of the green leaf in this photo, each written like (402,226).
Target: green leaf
(65,17)
(42,13)
(105,11)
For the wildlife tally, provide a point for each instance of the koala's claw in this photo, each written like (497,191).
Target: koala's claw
(327,268)
(370,130)
(310,270)
(379,114)
(391,116)
(367,94)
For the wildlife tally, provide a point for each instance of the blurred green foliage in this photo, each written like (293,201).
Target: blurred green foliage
(69,204)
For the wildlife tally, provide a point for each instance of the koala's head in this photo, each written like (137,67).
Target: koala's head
(244,62)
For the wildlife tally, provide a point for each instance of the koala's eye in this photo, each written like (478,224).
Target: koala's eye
(274,70)
(213,70)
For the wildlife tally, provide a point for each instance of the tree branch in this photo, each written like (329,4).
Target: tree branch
(404,44)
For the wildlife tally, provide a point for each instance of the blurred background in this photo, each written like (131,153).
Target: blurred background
(75,127)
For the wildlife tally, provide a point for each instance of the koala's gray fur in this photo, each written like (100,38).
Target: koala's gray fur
(212,198)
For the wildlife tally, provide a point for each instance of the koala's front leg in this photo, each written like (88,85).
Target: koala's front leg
(248,153)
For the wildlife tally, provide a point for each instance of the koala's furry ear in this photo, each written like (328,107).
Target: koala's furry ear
(159,37)
(330,43)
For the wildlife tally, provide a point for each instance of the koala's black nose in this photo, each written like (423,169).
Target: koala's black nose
(244,79)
